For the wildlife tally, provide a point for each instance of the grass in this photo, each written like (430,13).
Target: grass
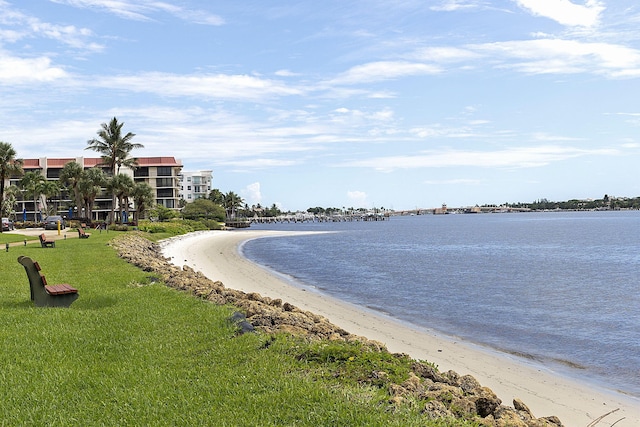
(13,238)
(133,352)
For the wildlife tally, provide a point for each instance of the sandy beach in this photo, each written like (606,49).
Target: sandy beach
(546,393)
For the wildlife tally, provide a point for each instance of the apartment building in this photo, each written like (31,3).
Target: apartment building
(195,185)
(160,173)
(163,175)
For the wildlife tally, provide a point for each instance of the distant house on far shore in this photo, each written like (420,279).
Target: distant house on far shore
(441,211)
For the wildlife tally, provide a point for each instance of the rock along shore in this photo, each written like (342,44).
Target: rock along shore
(444,394)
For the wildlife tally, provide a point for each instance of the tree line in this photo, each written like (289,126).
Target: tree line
(605,203)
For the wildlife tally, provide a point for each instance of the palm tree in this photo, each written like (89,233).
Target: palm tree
(143,198)
(232,202)
(217,197)
(115,150)
(50,189)
(121,186)
(32,182)
(70,177)
(10,200)
(9,166)
(90,187)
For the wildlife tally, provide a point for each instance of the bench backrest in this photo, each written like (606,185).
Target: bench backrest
(33,273)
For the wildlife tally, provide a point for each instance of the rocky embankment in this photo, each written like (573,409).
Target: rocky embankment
(444,394)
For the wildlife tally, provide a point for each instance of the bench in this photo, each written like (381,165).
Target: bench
(82,234)
(43,294)
(44,242)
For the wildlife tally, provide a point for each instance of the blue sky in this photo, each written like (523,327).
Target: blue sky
(364,103)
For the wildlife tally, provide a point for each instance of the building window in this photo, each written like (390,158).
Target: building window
(164,171)
(164,182)
(53,173)
(141,172)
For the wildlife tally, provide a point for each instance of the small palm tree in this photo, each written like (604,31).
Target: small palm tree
(217,197)
(143,198)
(122,186)
(9,166)
(50,189)
(231,203)
(115,150)
(10,201)
(71,176)
(33,182)
(90,187)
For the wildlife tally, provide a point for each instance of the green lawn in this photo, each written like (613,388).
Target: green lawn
(130,351)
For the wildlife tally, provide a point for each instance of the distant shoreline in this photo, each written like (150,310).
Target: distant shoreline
(217,256)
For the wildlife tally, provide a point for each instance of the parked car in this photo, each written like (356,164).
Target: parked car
(7,224)
(51,223)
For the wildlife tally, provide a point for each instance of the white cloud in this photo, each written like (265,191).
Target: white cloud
(357,198)
(536,56)
(15,70)
(566,12)
(257,163)
(384,70)
(453,5)
(445,54)
(543,136)
(521,157)
(30,27)
(459,181)
(286,73)
(548,56)
(141,10)
(252,194)
(221,86)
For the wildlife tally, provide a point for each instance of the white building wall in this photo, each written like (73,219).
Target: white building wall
(195,185)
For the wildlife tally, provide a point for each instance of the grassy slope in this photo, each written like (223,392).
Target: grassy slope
(133,352)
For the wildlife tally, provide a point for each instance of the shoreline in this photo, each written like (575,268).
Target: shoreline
(218,256)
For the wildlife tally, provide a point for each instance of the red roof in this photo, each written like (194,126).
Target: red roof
(157,161)
(58,163)
(31,164)
(90,162)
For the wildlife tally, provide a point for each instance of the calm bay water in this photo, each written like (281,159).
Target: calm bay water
(559,288)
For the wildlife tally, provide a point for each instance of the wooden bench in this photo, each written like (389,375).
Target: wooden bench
(43,294)
(82,234)
(44,242)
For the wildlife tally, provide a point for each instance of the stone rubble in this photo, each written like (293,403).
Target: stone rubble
(446,395)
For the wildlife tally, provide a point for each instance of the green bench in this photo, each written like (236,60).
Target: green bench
(43,294)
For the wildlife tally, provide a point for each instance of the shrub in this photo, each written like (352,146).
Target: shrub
(171,228)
